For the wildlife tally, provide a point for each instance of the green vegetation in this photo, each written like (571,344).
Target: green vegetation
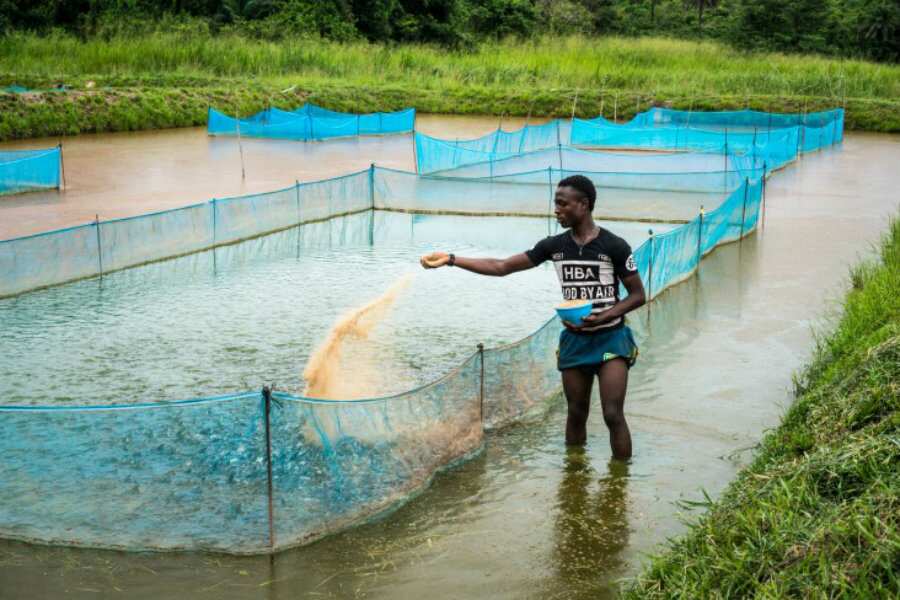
(857,28)
(168,80)
(817,514)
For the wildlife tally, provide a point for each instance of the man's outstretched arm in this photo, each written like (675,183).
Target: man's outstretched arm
(497,267)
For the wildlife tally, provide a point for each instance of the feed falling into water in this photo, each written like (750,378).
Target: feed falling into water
(325,377)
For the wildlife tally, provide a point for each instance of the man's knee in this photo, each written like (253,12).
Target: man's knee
(578,411)
(613,418)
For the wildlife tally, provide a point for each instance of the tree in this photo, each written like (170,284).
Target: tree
(877,29)
(500,18)
(701,5)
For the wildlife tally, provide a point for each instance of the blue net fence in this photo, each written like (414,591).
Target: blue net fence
(747,119)
(29,170)
(767,137)
(257,472)
(310,122)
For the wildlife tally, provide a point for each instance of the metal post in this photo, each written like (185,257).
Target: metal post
(267,409)
(372,185)
(99,246)
(62,166)
(744,207)
(213,204)
(481,387)
(299,217)
(700,239)
(550,202)
(372,202)
(764,196)
(650,275)
(754,147)
(237,121)
(725,170)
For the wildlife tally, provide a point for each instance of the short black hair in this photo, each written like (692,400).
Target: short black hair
(583,185)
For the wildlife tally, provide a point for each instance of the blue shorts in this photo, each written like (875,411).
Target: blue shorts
(590,350)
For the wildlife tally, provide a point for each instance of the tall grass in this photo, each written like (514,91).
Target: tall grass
(652,65)
(817,514)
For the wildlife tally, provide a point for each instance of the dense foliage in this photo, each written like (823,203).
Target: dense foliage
(864,28)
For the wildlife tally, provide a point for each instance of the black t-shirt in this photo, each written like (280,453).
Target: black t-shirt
(589,272)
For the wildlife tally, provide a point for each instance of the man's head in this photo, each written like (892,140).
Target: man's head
(574,200)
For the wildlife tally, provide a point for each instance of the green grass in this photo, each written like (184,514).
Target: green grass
(817,514)
(613,76)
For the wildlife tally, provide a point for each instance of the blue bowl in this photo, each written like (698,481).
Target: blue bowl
(575,314)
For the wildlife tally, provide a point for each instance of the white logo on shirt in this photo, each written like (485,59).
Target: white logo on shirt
(629,263)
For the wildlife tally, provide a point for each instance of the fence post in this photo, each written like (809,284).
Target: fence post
(299,216)
(559,155)
(615,106)
(764,196)
(357,125)
(650,275)
(725,169)
(481,387)
(754,147)
(62,167)
(380,122)
(237,121)
(700,240)
(99,246)
(550,198)
(214,226)
(744,207)
(372,201)
(267,410)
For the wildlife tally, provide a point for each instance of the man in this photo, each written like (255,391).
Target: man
(590,263)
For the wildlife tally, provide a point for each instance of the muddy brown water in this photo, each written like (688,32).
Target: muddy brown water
(527,518)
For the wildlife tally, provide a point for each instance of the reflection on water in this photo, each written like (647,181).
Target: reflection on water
(591,523)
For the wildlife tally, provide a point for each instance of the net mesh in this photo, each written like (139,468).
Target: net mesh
(310,122)
(193,474)
(763,137)
(27,170)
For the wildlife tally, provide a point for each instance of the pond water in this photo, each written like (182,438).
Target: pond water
(526,518)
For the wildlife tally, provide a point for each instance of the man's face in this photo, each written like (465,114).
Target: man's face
(571,206)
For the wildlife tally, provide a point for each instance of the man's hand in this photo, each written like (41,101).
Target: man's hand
(591,320)
(435,260)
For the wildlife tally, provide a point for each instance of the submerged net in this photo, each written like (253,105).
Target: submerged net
(310,122)
(29,170)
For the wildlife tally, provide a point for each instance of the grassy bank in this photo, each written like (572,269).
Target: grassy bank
(168,80)
(817,514)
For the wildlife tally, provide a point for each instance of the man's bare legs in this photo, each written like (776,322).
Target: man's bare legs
(577,387)
(613,385)
(613,375)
